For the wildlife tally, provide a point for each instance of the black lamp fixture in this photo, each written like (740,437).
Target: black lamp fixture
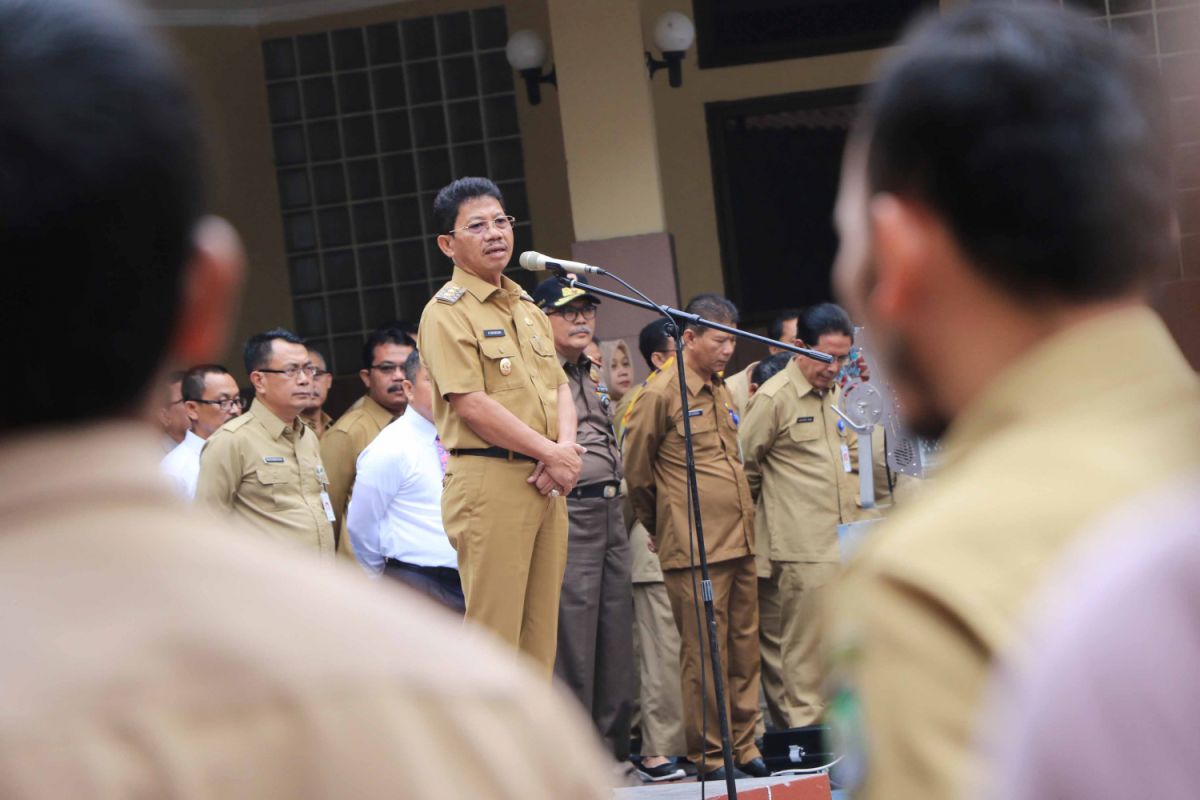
(674,34)
(526,53)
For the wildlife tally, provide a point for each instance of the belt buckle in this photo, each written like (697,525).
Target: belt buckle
(610,491)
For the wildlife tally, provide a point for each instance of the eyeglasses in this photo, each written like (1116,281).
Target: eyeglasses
(480,227)
(292,370)
(320,373)
(388,368)
(573,315)
(225,403)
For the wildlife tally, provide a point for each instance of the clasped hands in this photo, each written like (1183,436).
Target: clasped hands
(558,473)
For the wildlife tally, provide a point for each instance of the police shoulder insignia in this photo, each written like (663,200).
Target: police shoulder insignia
(594,374)
(450,294)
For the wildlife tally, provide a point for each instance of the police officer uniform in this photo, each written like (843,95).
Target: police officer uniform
(511,540)
(269,473)
(801,463)
(657,478)
(340,448)
(595,635)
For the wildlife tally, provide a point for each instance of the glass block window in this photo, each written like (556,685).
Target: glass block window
(367,125)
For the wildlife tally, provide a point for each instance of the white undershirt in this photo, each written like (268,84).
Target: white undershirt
(182,464)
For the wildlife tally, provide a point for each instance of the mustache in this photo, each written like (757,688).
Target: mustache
(580,329)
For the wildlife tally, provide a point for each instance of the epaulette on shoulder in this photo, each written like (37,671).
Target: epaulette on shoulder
(774,384)
(450,294)
(237,422)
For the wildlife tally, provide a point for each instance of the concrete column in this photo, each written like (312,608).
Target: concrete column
(607,118)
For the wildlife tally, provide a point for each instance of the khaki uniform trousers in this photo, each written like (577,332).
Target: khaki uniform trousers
(770,643)
(595,626)
(512,551)
(657,638)
(798,590)
(735,603)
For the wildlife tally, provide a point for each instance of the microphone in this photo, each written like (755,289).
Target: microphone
(534,262)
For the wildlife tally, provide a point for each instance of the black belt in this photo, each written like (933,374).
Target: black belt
(492,452)
(607,489)
(436,572)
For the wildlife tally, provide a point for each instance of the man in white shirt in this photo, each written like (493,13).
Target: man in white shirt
(209,396)
(395,514)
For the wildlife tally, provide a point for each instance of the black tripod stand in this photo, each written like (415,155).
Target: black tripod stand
(677,319)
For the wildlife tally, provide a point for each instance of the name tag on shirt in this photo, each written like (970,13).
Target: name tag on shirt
(273,459)
(493,333)
(328,506)
(804,419)
(846,457)
(695,412)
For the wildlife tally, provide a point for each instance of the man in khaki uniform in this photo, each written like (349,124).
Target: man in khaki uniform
(656,639)
(384,354)
(159,652)
(998,227)
(801,463)
(655,469)
(265,466)
(314,415)
(503,410)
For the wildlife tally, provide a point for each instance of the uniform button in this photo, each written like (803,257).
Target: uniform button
(528,321)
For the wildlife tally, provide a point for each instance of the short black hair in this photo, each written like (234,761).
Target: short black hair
(712,307)
(821,319)
(653,339)
(388,335)
(767,368)
(452,196)
(257,351)
(412,364)
(173,377)
(775,328)
(101,192)
(312,351)
(1038,137)
(193,380)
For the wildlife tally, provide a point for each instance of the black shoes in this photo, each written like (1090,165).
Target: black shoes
(718,774)
(668,771)
(755,768)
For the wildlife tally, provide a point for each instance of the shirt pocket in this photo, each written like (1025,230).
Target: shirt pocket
(806,433)
(279,483)
(704,432)
(499,357)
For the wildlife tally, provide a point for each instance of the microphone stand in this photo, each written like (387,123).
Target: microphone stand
(675,330)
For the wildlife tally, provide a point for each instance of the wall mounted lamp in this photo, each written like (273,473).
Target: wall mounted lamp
(526,53)
(674,34)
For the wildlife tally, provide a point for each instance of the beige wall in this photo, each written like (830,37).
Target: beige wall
(227,72)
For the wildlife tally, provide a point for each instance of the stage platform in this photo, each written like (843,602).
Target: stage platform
(782,787)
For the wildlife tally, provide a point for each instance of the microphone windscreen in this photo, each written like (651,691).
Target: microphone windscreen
(531,260)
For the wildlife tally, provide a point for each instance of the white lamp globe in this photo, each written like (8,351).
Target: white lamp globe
(526,50)
(674,32)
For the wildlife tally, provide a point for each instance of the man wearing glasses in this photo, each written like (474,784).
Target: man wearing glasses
(265,466)
(383,357)
(314,414)
(595,615)
(503,411)
(210,398)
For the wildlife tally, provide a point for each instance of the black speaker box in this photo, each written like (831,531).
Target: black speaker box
(797,748)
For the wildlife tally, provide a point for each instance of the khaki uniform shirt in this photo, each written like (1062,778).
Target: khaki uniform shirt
(321,426)
(1090,418)
(270,474)
(645,566)
(792,443)
(340,447)
(602,461)
(738,385)
(656,472)
(161,652)
(476,337)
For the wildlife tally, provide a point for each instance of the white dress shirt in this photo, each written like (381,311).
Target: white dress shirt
(396,505)
(182,465)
